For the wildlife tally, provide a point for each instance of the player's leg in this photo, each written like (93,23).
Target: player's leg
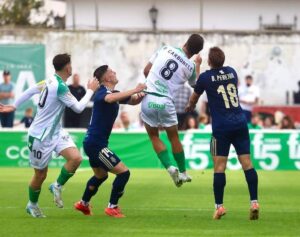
(219,147)
(67,149)
(39,156)
(162,153)
(122,176)
(92,186)
(178,152)
(34,190)
(242,147)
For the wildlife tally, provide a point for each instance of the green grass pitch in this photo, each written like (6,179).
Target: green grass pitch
(154,206)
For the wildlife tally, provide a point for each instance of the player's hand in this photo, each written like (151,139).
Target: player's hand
(198,59)
(140,87)
(93,84)
(190,108)
(7,108)
(139,97)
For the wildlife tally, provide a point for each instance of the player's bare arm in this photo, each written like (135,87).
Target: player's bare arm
(198,62)
(114,97)
(136,99)
(192,102)
(147,69)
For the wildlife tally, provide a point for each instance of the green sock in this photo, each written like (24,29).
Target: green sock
(64,176)
(164,158)
(34,195)
(180,160)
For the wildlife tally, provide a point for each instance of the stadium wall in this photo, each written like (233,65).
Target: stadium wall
(272,59)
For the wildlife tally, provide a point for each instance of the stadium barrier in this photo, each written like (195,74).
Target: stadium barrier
(270,150)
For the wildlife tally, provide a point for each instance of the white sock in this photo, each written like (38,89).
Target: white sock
(57,184)
(112,205)
(218,205)
(84,203)
(253,201)
(33,203)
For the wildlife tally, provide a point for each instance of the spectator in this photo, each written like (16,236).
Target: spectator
(204,109)
(203,121)
(72,119)
(28,118)
(297,95)
(181,100)
(255,122)
(287,123)
(125,121)
(249,96)
(190,122)
(6,98)
(268,122)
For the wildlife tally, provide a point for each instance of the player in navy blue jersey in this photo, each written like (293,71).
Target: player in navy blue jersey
(229,126)
(101,158)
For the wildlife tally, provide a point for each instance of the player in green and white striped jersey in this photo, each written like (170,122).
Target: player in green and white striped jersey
(46,135)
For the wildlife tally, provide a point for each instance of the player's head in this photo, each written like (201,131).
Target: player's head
(28,112)
(249,80)
(216,57)
(76,80)
(62,63)
(194,44)
(105,75)
(6,76)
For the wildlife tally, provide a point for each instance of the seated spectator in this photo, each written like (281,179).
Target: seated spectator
(287,123)
(28,118)
(203,121)
(125,121)
(255,122)
(190,122)
(268,123)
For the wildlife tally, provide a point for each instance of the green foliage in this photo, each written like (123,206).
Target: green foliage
(154,206)
(17,12)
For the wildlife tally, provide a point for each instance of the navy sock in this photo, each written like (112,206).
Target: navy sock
(118,187)
(252,180)
(219,185)
(92,188)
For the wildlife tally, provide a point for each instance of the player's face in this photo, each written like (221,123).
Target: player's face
(111,76)
(69,69)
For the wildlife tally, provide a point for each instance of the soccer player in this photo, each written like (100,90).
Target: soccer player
(46,135)
(229,126)
(101,158)
(167,70)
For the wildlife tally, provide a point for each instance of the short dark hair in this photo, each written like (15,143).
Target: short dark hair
(60,61)
(216,57)
(6,73)
(100,71)
(249,77)
(194,44)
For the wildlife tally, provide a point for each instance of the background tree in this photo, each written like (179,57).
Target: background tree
(18,12)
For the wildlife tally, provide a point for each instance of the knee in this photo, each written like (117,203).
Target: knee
(41,176)
(77,160)
(247,165)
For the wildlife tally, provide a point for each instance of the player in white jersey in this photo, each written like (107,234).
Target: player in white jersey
(167,70)
(46,135)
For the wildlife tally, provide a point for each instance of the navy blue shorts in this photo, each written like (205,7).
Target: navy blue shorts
(221,141)
(100,156)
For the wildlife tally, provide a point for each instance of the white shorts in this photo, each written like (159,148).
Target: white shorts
(41,151)
(158,111)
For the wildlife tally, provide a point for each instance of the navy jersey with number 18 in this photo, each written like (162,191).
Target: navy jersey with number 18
(221,89)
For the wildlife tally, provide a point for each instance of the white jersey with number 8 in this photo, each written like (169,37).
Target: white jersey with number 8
(170,70)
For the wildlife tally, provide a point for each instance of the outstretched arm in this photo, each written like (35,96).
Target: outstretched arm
(26,95)
(119,96)
(78,106)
